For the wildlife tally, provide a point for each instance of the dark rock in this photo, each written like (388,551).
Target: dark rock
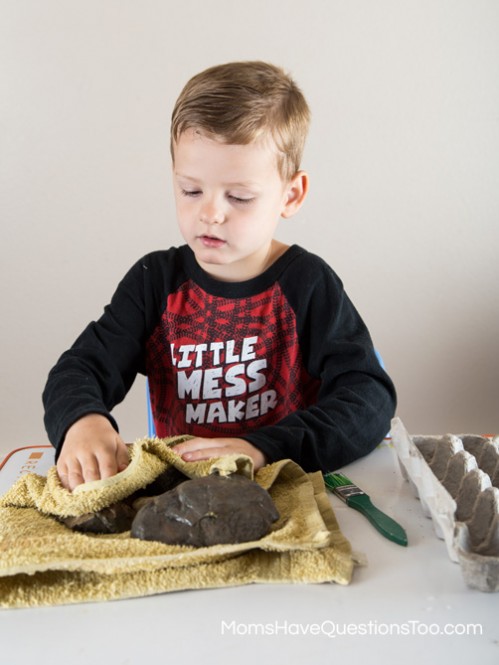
(116,518)
(207,511)
(164,482)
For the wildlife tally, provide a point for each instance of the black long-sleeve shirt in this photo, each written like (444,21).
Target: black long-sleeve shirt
(282,360)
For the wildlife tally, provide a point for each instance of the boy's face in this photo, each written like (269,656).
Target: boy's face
(229,200)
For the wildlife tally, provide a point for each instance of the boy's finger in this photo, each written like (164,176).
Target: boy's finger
(205,453)
(122,457)
(62,472)
(74,478)
(91,471)
(63,477)
(69,477)
(108,467)
(112,463)
(80,471)
(194,444)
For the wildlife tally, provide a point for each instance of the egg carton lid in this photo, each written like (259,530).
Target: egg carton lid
(480,571)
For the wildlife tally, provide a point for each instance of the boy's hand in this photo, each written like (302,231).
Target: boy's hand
(92,450)
(200,448)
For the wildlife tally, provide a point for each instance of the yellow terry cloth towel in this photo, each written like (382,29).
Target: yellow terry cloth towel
(42,562)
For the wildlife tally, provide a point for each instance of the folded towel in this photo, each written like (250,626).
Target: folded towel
(42,562)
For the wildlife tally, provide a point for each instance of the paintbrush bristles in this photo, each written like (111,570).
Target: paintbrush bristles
(337,479)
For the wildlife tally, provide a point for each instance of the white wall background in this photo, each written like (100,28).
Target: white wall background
(403,156)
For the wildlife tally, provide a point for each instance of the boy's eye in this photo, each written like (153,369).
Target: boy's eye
(238,199)
(190,192)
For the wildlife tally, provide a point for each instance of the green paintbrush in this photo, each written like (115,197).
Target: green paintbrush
(354,497)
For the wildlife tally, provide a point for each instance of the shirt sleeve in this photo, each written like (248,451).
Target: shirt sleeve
(96,373)
(356,398)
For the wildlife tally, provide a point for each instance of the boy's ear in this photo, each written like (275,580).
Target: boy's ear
(296,193)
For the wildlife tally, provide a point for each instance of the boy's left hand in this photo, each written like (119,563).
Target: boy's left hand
(199,448)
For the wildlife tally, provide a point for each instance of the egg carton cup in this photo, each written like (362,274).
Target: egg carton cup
(456,478)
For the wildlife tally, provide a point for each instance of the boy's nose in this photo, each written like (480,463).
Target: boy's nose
(211,213)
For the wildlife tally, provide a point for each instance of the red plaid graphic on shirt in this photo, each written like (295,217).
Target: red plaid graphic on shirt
(222,366)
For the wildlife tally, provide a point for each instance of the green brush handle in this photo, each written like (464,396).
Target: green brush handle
(384,524)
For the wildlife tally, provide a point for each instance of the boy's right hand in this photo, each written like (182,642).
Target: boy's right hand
(92,450)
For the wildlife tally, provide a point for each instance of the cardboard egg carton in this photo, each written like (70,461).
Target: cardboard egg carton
(456,478)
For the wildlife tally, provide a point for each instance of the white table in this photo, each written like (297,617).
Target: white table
(416,589)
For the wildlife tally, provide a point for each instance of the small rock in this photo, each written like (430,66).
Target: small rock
(116,518)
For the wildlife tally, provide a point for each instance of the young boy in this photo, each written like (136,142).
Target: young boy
(249,345)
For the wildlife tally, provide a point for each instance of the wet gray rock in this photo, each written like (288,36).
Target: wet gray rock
(207,511)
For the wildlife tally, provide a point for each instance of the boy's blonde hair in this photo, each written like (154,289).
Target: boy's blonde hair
(241,102)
